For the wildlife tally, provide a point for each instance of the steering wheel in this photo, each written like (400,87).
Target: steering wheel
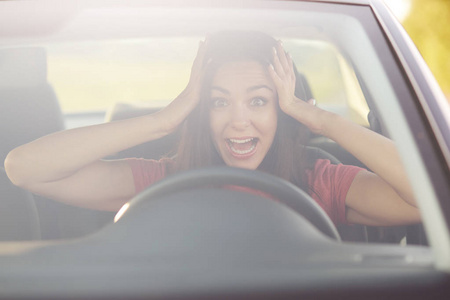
(288,194)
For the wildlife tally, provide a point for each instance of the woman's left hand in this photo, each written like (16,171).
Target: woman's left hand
(283,76)
(380,199)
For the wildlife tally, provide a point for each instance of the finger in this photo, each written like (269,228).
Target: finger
(282,56)
(196,68)
(200,50)
(290,63)
(203,50)
(291,69)
(198,61)
(277,80)
(312,102)
(278,68)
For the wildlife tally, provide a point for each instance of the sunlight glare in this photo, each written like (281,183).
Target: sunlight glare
(400,8)
(121,211)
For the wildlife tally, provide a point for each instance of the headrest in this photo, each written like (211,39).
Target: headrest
(22,67)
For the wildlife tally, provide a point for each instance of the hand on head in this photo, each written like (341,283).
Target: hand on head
(283,75)
(188,99)
(192,90)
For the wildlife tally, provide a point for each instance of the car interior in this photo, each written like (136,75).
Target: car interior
(96,61)
(30,109)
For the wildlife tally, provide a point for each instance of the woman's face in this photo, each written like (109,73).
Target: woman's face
(243,113)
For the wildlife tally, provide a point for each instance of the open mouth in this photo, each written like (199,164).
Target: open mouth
(242,146)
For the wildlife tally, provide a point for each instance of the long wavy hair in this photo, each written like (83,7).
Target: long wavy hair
(286,156)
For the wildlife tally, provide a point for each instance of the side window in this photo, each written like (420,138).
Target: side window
(331,78)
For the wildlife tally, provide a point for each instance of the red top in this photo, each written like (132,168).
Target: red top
(327,183)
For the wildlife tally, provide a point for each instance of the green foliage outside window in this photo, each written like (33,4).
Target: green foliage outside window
(428,24)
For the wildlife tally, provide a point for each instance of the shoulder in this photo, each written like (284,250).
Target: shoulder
(324,170)
(328,185)
(147,171)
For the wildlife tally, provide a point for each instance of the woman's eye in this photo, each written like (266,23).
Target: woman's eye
(258,101)
(219,102)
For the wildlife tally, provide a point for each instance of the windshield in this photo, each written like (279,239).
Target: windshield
(95,74)
(257,145)
(103,71)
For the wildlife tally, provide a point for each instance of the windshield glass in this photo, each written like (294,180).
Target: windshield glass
(93,76)
(120,63)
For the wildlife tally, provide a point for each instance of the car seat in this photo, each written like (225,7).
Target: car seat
(29,108)
(18,213)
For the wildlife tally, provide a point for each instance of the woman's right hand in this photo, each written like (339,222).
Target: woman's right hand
(67,166)
(177,111)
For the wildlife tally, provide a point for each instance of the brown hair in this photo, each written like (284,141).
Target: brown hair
(285,157)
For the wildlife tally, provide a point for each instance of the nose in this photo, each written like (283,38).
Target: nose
(240,117)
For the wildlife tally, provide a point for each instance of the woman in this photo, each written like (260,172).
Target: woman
(240,108)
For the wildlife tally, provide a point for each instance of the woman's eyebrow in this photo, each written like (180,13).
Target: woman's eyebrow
(220,89)
(250,89)
(257,87)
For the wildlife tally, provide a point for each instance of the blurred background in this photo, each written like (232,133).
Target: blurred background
(428,24)
(139,71)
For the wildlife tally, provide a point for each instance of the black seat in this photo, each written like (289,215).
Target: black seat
(29,107)
(18,214)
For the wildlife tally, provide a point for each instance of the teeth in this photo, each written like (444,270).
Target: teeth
(241,141)
(243,151)
(236,141)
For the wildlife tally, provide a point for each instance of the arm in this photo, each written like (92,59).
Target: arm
(380,198)
(68,166)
